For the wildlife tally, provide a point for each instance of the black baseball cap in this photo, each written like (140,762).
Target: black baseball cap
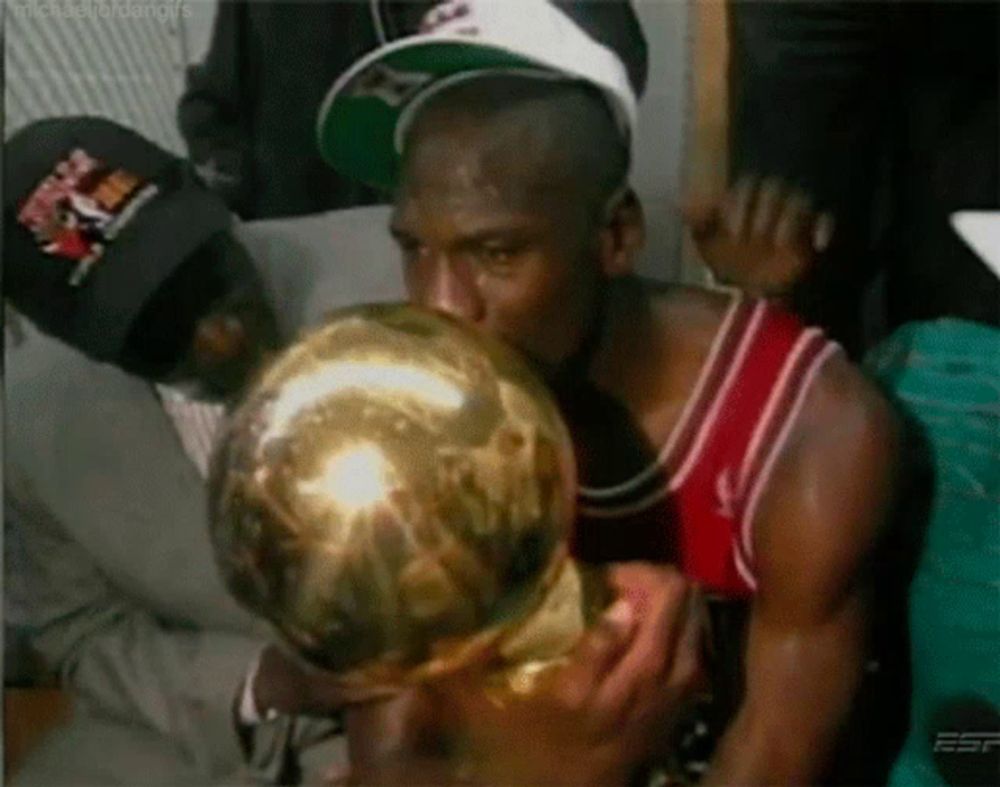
(96,219)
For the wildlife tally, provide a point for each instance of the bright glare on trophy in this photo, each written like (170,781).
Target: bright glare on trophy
(395,494)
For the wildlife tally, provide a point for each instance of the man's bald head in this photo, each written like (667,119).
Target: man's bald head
(549,139)
(503,213)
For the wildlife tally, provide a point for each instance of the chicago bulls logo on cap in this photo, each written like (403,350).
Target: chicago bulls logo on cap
(77,210)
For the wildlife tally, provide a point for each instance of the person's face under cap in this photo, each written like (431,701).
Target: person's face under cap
(231,343)
(216,345)
(506,223)
(97,219)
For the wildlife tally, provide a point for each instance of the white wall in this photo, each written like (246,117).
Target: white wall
(198,28)
(122,59)
(659,143)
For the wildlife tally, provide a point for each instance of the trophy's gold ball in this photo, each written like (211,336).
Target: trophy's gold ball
(394,493)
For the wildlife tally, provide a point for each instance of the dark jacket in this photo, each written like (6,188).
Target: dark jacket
(249,111)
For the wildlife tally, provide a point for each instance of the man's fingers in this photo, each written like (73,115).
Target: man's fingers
(661,626)
(650,658)
(609,637)
(738,205)
(767,208)
(596,652)
(687,666)
(643,583)
(794,218)
(823,232)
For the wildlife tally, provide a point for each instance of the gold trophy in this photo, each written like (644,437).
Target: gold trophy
(395,494)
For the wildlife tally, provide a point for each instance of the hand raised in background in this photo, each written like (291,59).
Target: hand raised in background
(763,237)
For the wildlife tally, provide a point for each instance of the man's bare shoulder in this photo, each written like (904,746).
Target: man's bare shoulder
(687,311)
(844,401)
(689,300)
(833,485)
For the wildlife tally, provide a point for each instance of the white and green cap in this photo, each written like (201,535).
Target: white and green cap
(363,120)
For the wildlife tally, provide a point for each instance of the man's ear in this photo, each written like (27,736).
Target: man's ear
(623,235)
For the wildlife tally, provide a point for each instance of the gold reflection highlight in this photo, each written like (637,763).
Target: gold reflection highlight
(354,479)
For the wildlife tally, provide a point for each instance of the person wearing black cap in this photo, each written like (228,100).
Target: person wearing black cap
(714,431)
(131,263)
(150,316)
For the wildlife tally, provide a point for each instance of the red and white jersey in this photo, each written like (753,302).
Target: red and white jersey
(694,506)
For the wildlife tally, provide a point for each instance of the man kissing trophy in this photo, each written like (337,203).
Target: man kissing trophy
(396,495)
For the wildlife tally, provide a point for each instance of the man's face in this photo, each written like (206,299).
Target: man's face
(229,345)
(491,237)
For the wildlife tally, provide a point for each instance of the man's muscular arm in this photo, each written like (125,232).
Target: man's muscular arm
(813,535)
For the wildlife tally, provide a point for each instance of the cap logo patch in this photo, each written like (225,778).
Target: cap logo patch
(387,84)
(81,207)
(452,11)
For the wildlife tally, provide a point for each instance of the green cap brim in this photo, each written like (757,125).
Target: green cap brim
(356,126)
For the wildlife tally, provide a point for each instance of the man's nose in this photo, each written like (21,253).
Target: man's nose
(452,289)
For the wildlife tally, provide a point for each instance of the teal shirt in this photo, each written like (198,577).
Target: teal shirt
(946,375)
